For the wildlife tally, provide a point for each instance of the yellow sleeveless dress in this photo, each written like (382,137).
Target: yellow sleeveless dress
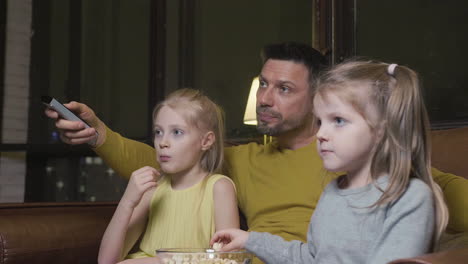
(180,218)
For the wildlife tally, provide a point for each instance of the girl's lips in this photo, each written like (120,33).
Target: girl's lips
(164,158)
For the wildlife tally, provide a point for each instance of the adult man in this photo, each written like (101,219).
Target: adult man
(279,184)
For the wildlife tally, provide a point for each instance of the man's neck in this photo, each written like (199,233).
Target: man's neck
(296,139)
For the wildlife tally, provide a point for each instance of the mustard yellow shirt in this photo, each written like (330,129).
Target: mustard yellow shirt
(180,218)
(277,189)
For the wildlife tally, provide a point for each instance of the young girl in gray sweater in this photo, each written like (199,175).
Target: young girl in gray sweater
(372,125)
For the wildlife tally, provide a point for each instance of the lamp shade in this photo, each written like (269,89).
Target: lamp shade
(250,115)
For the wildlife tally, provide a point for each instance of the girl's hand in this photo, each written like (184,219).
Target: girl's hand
(233,239)
(141,181)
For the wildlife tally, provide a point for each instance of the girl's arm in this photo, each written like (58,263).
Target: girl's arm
(269,248)
(130,217)
(138,222)
(225,205)
(408,228)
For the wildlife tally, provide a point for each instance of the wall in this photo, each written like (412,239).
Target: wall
(113,60)
(428,36)
(97,52)
(15,99)
(228,36)
(228,39)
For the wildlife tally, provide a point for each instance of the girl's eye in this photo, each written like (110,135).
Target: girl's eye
(319,122)
(178,132)
(157,132)
(339,121)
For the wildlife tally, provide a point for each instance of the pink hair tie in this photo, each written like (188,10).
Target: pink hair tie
(391,69)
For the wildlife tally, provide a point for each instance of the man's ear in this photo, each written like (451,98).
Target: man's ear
(208,140)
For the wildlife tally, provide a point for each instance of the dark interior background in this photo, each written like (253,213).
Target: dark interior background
(428,36)
(121,57)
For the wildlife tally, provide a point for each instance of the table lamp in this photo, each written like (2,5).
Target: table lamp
(250,114)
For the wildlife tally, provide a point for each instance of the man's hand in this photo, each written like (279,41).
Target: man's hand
(141,181)
(74,132)
(233,239)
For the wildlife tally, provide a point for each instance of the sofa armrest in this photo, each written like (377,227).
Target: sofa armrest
(454,256)
(52,233)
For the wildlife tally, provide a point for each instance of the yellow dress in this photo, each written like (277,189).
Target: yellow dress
(180,218)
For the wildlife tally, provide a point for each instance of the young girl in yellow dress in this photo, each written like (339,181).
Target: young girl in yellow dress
(191,201)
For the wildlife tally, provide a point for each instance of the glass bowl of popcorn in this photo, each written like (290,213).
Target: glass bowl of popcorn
(203,256)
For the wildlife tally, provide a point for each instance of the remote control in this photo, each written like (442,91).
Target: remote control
(61,109)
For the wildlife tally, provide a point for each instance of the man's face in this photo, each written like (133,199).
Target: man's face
(283,98)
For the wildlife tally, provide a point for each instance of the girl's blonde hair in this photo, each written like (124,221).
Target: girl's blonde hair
(198,110)
(403,150)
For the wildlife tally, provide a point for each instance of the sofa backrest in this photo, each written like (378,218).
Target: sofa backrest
(450,151)
(52,233)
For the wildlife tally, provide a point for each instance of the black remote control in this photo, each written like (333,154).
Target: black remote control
(61,109)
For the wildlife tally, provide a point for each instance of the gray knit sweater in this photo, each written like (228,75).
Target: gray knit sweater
(343,230)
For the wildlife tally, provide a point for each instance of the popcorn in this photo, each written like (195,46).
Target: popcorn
(217,246)
(203,256)
(197,258)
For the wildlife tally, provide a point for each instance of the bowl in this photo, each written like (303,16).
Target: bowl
(203,256)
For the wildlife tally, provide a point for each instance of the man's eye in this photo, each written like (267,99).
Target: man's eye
(340,121)
(262,84)
(284,89)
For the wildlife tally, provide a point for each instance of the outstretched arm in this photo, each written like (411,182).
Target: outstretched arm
(269,248)
(275,250)
(123,155)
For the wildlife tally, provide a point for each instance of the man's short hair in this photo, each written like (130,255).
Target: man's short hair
(296,52)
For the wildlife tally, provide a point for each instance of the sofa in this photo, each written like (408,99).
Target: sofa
(71,232)
(52,233)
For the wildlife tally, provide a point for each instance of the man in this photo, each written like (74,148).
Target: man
(278,184)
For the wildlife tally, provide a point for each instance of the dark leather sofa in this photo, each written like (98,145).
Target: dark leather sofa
(52,233)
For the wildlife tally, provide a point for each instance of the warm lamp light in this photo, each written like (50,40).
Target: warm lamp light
(250,115)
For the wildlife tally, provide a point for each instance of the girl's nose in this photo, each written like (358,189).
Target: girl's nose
(163,143)
(321,135)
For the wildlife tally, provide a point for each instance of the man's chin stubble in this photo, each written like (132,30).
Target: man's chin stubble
(269,131)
